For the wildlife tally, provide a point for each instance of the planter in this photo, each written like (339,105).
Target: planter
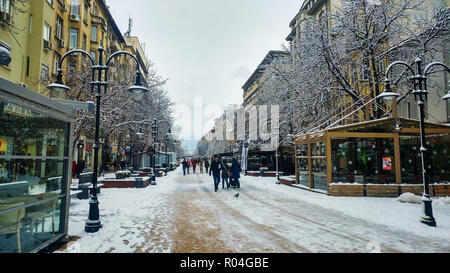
(441,190)
(347,190)
(382,190)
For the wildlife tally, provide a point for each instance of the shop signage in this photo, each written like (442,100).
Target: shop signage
(387,163)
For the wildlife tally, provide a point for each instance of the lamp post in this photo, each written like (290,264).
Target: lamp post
(93,223)
(420,92)
(155,133)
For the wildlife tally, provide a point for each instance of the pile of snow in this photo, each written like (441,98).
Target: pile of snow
(442,201)
(409,198)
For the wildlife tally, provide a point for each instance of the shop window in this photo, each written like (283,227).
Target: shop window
(439,159)
(34,162)
(363,160)
(319,165)
(26,229)
(303,171)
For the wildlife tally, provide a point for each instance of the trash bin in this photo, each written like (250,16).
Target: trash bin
(139,182)
(261,172)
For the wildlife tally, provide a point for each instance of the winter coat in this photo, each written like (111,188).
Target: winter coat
(236,170)
(215,168)
(207,164)
(185,164)
(225,172)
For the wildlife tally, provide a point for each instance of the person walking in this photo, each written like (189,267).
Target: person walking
(236,173)
(215,171)
(185,166)
(74,168)
(207,165)
(189,166)
(200,164)
(194,164)
(225,176)
(80,167)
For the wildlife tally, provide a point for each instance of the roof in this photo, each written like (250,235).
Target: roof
(112,21)
(262,66)
(384,125)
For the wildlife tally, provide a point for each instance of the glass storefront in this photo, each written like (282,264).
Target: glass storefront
(366,153)
(34,162)
(363,160)
(439,158)
(319,165)
(302,164)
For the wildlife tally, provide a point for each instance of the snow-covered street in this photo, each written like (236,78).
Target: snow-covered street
(184,214)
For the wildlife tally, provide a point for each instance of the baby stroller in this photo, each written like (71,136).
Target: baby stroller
(233,183)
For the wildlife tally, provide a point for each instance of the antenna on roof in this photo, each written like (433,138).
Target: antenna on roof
(130,26)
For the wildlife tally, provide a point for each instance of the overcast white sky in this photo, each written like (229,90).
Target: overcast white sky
(206,48)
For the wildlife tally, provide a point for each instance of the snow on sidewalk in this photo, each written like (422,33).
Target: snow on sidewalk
(183,214)
(384,211)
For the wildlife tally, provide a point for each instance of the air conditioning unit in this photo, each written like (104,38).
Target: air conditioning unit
(23,84)
(74,17)
(62,43)
(48,45)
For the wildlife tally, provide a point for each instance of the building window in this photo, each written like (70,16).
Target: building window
(50,2)
(30,25)
(95,10)
(59,27)
(73,38)
(84,42)
(5,10)
(44,73)
(365,70)
(94,55)
(47,32)
(85,15)
(94,34)
(75,9)
(28,67)
(56,60)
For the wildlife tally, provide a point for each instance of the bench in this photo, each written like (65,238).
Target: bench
(86,187)
(53,184)
(15,189)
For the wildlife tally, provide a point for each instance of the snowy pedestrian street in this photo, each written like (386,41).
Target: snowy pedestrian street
(184,214)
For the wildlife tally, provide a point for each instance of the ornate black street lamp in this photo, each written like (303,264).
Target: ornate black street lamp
(420,93)
(93,223)
(155,134)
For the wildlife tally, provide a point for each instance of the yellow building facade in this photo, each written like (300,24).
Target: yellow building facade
(45,30)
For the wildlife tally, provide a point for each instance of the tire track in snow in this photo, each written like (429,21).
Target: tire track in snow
(384,232)
(234,216)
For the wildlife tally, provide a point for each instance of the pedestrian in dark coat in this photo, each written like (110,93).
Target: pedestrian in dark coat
(225,176)
(215,171)
(194,164)
(74,168)
(207,165)
(185,166)
(236,172)
(80,167)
